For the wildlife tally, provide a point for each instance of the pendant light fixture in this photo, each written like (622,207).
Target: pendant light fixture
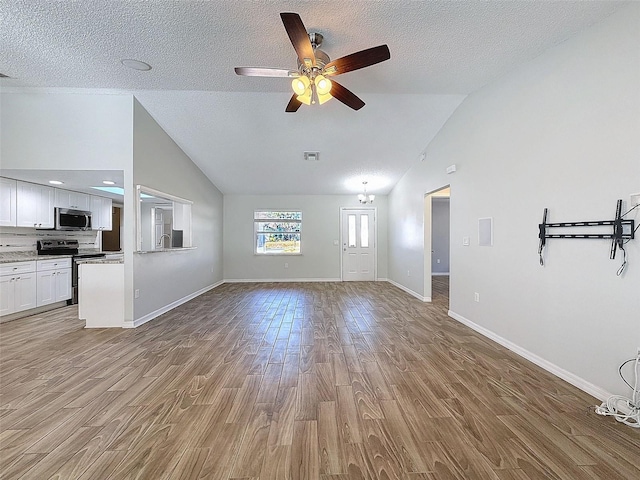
(363,197)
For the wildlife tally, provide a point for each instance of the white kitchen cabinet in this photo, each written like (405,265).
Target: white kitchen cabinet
(73,200)
(53,281)
(17,287)
(100,213)
(7,294)
(34,205)
(7,202)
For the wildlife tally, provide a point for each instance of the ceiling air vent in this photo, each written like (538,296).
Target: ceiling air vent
(312,156)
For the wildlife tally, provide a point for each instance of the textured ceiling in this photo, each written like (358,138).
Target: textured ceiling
(234,127)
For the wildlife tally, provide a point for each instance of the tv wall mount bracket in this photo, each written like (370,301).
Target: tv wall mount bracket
(622,230)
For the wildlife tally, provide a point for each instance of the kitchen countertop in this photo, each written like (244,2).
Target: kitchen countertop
(27,256)
(165,250)
(94,261)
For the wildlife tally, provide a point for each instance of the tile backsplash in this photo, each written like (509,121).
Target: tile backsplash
(24,239)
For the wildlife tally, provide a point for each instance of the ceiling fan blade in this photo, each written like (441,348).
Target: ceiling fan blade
(361,59)
(293,105)
(299,37)
(265,72)
(345,96)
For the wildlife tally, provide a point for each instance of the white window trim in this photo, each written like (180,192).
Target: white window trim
(255,233)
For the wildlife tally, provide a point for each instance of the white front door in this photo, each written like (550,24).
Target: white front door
(358,236)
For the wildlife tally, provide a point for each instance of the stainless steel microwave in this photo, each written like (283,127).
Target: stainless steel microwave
(67,219)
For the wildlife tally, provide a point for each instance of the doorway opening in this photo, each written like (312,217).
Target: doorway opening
(437,243)
(112,239)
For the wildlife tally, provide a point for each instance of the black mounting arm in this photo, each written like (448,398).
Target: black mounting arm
(618,236)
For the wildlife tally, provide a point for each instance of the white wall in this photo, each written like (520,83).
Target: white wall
(72,131)
(320,259)
(65,131)
(165,278)
(559,132)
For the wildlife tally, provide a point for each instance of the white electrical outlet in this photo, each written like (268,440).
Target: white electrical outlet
(286,265)
(438,261)
(465,241)
(476,297)
(137,293)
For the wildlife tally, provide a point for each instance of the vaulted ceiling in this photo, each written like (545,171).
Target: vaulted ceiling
(235,128)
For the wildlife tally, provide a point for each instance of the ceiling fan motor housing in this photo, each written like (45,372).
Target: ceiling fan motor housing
(321,57)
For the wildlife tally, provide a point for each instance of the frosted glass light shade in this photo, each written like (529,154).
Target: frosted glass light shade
(323,85)
(300,84)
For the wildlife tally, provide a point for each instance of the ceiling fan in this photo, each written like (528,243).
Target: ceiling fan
(310,81)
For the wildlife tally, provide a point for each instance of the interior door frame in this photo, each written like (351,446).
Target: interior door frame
(428,240)
(375,242)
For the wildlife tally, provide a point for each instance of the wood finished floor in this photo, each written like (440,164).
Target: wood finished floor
(330,381)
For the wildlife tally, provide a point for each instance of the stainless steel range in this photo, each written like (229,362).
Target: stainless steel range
(67,247)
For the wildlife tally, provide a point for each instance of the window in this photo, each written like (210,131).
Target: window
(277,232)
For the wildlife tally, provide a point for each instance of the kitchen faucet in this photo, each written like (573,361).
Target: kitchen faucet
(162,236)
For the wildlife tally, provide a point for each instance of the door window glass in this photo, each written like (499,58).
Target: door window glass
(364,231)
(352,230)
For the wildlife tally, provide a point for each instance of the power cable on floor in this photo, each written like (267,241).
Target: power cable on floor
(624,410)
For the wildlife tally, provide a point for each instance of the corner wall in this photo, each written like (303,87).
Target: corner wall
(320,259)
(559,132)
(73,131)
(166,278)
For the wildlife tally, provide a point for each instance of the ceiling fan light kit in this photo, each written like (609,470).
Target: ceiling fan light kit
(310,83)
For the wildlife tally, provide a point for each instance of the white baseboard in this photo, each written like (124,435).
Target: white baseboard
(409,291)
(436,274)
(150,316)
(567,376)
(279,280)
(381,279)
